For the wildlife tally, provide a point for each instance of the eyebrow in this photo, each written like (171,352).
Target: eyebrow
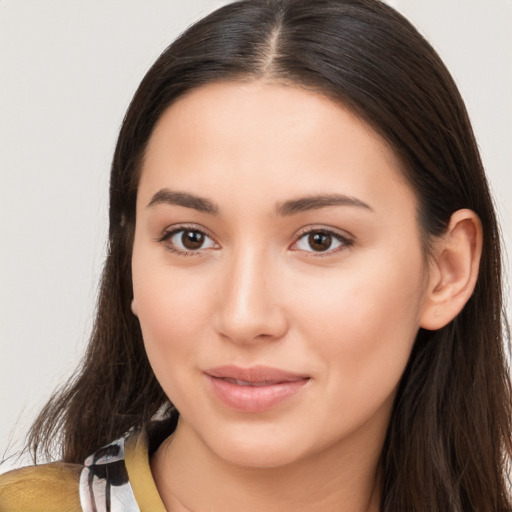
(201,204)
(316,202)
(286,208)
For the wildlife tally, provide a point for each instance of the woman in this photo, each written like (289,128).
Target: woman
(304,261)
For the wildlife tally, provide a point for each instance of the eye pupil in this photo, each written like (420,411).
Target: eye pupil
(192,240)
(319,241)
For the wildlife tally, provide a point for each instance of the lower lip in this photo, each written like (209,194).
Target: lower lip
(254,399)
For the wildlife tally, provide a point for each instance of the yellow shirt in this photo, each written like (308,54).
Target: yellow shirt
(61,487)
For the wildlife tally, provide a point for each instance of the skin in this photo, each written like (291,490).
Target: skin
(256,293)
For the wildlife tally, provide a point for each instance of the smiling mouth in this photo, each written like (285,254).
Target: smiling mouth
(256,389)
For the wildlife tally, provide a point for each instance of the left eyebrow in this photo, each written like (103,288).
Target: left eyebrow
(302,204)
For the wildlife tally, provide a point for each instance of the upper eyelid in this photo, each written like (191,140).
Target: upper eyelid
(345,235)
(176,228)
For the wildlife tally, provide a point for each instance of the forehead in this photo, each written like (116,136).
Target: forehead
(258,140)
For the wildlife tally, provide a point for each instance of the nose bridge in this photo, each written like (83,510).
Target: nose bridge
(250,308)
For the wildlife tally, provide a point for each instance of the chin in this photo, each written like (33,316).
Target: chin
(258,457)
(256,448)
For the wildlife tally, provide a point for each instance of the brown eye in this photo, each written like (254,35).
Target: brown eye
(319,241)
(192,240)
(184,241)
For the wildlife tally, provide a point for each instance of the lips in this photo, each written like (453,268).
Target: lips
(239,382)
(254,389)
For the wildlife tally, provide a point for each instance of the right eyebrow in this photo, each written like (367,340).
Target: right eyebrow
(201,204)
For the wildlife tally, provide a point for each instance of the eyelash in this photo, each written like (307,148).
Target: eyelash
(168,234)
(345,242)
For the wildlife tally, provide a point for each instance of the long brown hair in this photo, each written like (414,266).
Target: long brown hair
(448,443)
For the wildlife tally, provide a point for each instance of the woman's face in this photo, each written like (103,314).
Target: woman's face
(278,272)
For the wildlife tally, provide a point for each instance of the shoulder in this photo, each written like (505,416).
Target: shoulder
(49,487)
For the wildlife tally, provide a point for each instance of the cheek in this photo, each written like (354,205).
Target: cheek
(362,324)
(172,308)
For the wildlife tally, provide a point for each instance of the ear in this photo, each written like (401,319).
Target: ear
(453,270)
(134,308)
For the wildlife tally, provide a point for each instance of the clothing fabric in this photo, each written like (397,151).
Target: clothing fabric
(116,478)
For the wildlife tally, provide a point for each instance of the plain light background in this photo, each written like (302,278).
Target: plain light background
(68,69)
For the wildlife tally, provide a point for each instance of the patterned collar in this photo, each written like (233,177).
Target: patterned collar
(104,482)
(112,474)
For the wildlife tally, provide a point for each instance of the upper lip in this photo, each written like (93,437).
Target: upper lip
(254,374)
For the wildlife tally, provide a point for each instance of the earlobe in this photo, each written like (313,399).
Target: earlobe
(453,271)
(134,308)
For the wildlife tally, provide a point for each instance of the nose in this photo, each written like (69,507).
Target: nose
(250,306)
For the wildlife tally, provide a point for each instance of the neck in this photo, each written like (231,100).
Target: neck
(189,477)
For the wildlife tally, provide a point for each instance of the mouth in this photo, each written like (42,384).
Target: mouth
(239,382)
(255,389)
